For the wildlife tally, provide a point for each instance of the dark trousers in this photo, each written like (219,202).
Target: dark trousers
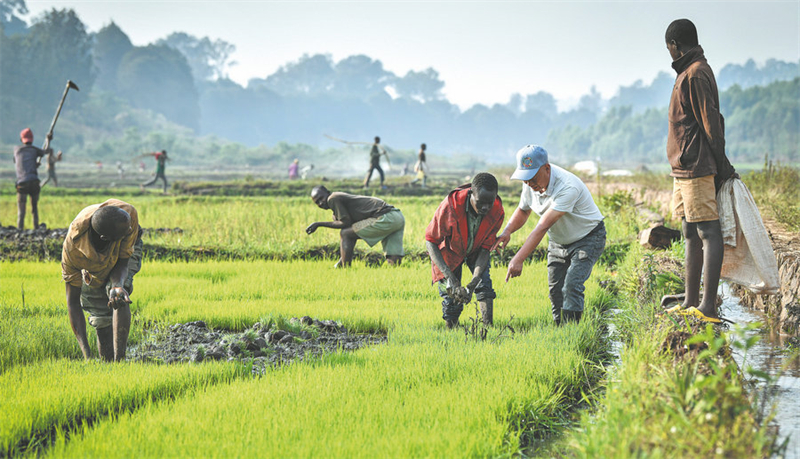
(369,174)
(158,176)
(451,309)
(568,268)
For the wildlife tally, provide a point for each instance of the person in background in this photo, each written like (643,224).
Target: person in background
(26,161)
(161,164)
(421,167)
(293,169)
(361,217)
(572,222)
(52,159)
(101,254)
(462,231)
(375,161)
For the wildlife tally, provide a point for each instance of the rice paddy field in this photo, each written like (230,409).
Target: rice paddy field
(425,392)
(525,389)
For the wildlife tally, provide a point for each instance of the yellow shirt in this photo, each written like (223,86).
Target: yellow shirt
(81,262)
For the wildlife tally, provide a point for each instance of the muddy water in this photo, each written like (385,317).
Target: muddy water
(765,356)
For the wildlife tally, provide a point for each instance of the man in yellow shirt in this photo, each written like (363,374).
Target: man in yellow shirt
(102,252)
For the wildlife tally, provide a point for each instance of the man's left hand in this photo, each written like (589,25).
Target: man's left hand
(514,268)
(118,297)
(312,227)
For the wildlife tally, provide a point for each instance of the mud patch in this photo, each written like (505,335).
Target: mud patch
(263,344)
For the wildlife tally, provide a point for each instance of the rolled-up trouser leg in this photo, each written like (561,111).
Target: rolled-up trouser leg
(557,265)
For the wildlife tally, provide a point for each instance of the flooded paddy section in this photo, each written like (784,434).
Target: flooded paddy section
(264,344)
(769,355)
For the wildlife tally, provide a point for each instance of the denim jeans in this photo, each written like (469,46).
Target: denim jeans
(568,268)
(451,309)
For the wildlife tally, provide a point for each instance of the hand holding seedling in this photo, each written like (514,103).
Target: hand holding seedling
(118,297)
(312,227)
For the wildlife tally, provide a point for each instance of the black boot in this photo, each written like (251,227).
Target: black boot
(451,323)
(571,316)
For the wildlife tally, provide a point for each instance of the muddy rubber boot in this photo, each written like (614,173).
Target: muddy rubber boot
(487,311)
(451,323)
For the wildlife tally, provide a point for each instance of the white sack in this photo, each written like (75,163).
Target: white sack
(749,259)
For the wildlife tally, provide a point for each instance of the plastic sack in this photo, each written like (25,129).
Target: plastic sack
(749,259)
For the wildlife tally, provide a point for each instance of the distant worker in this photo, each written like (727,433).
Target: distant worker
(293,169)
(306,171)
(375,161)
(120,170)
(572,221)
(361,217)
(463,231)
(696,153)
(161,163)
(421,167)
(52,159)
(101,254)
(26,160)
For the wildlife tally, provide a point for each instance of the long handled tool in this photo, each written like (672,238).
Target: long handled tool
(46,145)
(349,142)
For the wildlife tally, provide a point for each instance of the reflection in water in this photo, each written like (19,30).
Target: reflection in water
(764,356)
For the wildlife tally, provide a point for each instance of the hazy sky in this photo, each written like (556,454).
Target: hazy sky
(484,51)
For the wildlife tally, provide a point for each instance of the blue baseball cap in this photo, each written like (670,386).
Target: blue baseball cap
(529,159)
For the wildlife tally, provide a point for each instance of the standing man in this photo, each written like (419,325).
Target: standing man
(375,161)
(696,153)
(26,160)
(572,221)
(293,169)
(161,164)
(52,159)
(102,252)
(361,217)
(463,230)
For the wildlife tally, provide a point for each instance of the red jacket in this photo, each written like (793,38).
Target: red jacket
(448,229)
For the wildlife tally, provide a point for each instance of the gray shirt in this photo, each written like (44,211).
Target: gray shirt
(565,193)
(25,157)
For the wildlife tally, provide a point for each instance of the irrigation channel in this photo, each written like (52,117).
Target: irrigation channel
(766,356)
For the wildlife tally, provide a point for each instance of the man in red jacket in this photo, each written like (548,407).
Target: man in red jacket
(463,230)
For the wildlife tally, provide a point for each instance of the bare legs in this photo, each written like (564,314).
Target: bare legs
(704,252)
(348,239)
(112,342)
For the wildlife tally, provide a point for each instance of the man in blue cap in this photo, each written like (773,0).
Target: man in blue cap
(570,218)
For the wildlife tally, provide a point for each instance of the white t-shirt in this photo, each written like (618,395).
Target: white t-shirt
(565,193)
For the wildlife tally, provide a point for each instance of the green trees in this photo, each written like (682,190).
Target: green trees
(158,78)
(110,45)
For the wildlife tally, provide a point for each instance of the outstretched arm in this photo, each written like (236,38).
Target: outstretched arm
(481,264)
(118,296)
(518,218)
(548,219)
(336,224)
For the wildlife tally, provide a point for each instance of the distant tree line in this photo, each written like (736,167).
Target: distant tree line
(177,88)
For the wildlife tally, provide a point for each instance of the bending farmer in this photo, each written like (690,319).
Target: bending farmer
(26,161)
(571,220)
(696,153)
(463,230)
(361,217)
(102,252)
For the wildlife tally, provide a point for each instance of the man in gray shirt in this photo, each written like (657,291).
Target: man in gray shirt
(26,160)
(572,222)
(361,217)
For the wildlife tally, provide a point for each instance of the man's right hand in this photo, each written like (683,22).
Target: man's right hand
(312,227)
(502,241)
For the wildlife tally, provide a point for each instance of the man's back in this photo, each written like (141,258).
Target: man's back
(25,157)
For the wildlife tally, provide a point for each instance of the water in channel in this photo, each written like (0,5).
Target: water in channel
(766,356)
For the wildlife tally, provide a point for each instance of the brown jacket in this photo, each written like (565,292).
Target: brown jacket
(696,135)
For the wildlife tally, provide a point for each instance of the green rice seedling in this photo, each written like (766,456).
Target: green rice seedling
(38,399)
